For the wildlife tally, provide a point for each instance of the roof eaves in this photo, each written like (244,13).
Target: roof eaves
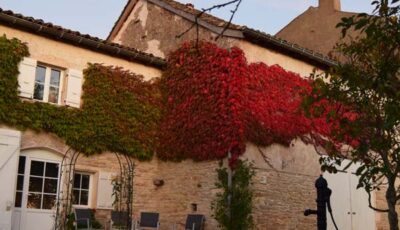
(262,38)
(59,33)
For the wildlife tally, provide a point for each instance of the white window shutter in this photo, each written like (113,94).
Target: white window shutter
(74,88)
(26,78)
(105,190)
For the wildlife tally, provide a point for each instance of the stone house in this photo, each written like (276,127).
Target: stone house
(57,58)
(153,25)
(283,187)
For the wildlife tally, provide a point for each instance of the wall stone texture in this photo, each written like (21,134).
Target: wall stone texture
(152,29)
(281,192)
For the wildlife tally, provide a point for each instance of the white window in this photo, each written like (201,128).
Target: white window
(47,84)
(43,82)
(20,181)
(81,189)
(43,184)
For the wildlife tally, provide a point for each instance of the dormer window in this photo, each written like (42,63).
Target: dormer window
(47,84)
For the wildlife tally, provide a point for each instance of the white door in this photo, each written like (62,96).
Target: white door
(9,152)
(349,204)
(36,191)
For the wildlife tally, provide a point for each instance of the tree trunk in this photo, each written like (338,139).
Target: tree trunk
(391,201)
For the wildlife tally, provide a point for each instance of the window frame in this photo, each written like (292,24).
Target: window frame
(89,190)
(26,183)
(43,177)
(47,85)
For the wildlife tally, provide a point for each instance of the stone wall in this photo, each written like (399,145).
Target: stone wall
(151,29)
(281,192)
(283,185)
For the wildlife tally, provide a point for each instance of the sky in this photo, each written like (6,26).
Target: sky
(97,17)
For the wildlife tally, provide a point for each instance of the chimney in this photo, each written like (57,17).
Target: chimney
(329,5)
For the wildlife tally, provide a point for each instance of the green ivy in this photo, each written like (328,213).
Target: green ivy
(237,215)
(120,110)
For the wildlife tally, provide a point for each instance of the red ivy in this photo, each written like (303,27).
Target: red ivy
(204,103)
(215,102)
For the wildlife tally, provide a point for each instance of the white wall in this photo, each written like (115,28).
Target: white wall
(9,152)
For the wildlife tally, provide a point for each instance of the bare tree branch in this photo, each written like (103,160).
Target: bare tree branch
(266,159)
(204,10)
(372,207)
(233,12)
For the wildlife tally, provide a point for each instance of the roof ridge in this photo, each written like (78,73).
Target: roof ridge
(278,41)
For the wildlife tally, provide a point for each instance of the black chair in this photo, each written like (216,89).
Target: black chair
(83,218)
(119,219)
(148,220)
(195,222)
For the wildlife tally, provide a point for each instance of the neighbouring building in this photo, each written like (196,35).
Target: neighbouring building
(284,187)
(316,28)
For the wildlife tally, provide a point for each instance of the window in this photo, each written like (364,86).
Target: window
(43,183)
(20,181)
(47,84)
(81,189)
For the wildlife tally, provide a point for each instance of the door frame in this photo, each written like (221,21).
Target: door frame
(36,155)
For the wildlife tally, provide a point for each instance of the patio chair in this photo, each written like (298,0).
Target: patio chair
(195,222)
(119,219)
(83,218)
(148,220)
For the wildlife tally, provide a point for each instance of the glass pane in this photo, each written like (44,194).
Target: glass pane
(35,184)
(51,170)
(85,181)
(53,94)
(39,91)
(84,198)
(55,77)
(49,201)
(75,197)
(34,201)
(18,199)
(40,74)
(50,185)
(37,168)
(20,182)
(21,165)
(77,180)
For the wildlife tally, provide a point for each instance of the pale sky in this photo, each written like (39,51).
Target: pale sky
(97,17)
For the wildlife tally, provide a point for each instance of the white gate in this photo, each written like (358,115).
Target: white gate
(349,205)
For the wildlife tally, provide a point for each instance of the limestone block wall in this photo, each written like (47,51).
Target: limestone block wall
(283,185)
(281,192)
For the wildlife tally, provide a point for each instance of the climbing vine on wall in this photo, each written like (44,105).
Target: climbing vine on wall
(215,102)
(119,113)
(212,102)
(203,103)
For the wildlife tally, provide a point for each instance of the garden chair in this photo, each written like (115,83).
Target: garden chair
(148,220)
(195,222)
(83,218)
(119,220)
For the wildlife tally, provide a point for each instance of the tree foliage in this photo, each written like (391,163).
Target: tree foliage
(237,215)
(367,84)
